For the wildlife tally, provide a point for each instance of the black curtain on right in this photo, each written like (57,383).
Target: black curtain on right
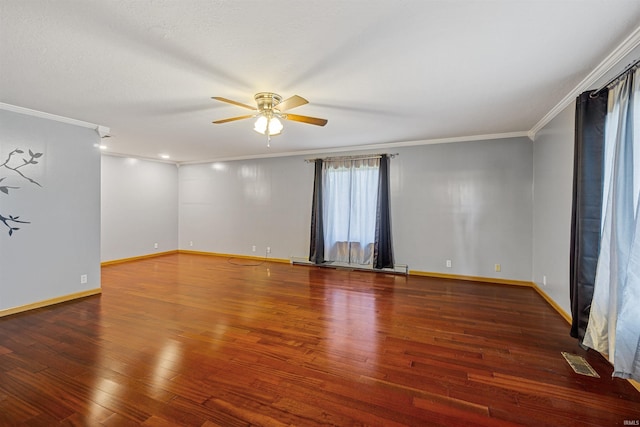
(586,215)
(383,246)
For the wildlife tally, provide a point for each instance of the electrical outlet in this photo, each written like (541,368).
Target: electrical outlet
(253,248)
(190,243)
(268,249)
(155,245)
(498,268)
(448,263)
(83,279)
(544,280)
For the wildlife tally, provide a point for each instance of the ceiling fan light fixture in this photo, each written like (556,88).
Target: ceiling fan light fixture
(260,125)
(268,126)
(275,126)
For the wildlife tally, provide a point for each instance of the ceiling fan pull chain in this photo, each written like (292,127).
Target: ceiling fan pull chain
(268,132)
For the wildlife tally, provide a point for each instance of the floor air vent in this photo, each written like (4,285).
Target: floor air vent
(580,365)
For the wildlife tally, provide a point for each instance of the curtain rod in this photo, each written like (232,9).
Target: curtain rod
(607,84)
(360,157)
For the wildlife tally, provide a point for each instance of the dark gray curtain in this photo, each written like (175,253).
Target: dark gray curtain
(316,249)
(383,246)
(588,170)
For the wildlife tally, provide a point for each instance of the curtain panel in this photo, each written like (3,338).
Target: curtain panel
(586,217)
(316,249)
(614,318)
(383,248)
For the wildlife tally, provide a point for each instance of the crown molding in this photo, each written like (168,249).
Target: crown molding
(618,54)
(101,130)
(358,148)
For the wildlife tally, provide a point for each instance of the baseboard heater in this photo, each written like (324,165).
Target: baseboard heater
(397,268)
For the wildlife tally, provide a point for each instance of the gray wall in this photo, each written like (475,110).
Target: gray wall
(470,202)
(553,187)
(139,207)
(229,207)
(45,259)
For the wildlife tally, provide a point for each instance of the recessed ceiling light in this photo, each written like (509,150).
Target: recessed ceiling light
(165,156)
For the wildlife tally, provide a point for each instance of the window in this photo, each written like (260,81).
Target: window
(349,208)
(351,219)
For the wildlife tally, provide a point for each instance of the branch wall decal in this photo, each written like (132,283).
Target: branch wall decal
(15,164)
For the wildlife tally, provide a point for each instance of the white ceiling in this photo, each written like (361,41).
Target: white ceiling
(381,71)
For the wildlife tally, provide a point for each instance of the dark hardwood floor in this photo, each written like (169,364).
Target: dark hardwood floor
(194,340)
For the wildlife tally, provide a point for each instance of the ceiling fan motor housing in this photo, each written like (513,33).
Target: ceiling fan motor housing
(267,100)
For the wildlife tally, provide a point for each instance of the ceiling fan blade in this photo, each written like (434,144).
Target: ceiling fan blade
(231,101)
(289,103)
(232,119)
(306,119)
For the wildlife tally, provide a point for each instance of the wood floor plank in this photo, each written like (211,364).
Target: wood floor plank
(195,340)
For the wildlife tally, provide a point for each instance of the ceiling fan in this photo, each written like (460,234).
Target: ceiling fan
(270,108)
